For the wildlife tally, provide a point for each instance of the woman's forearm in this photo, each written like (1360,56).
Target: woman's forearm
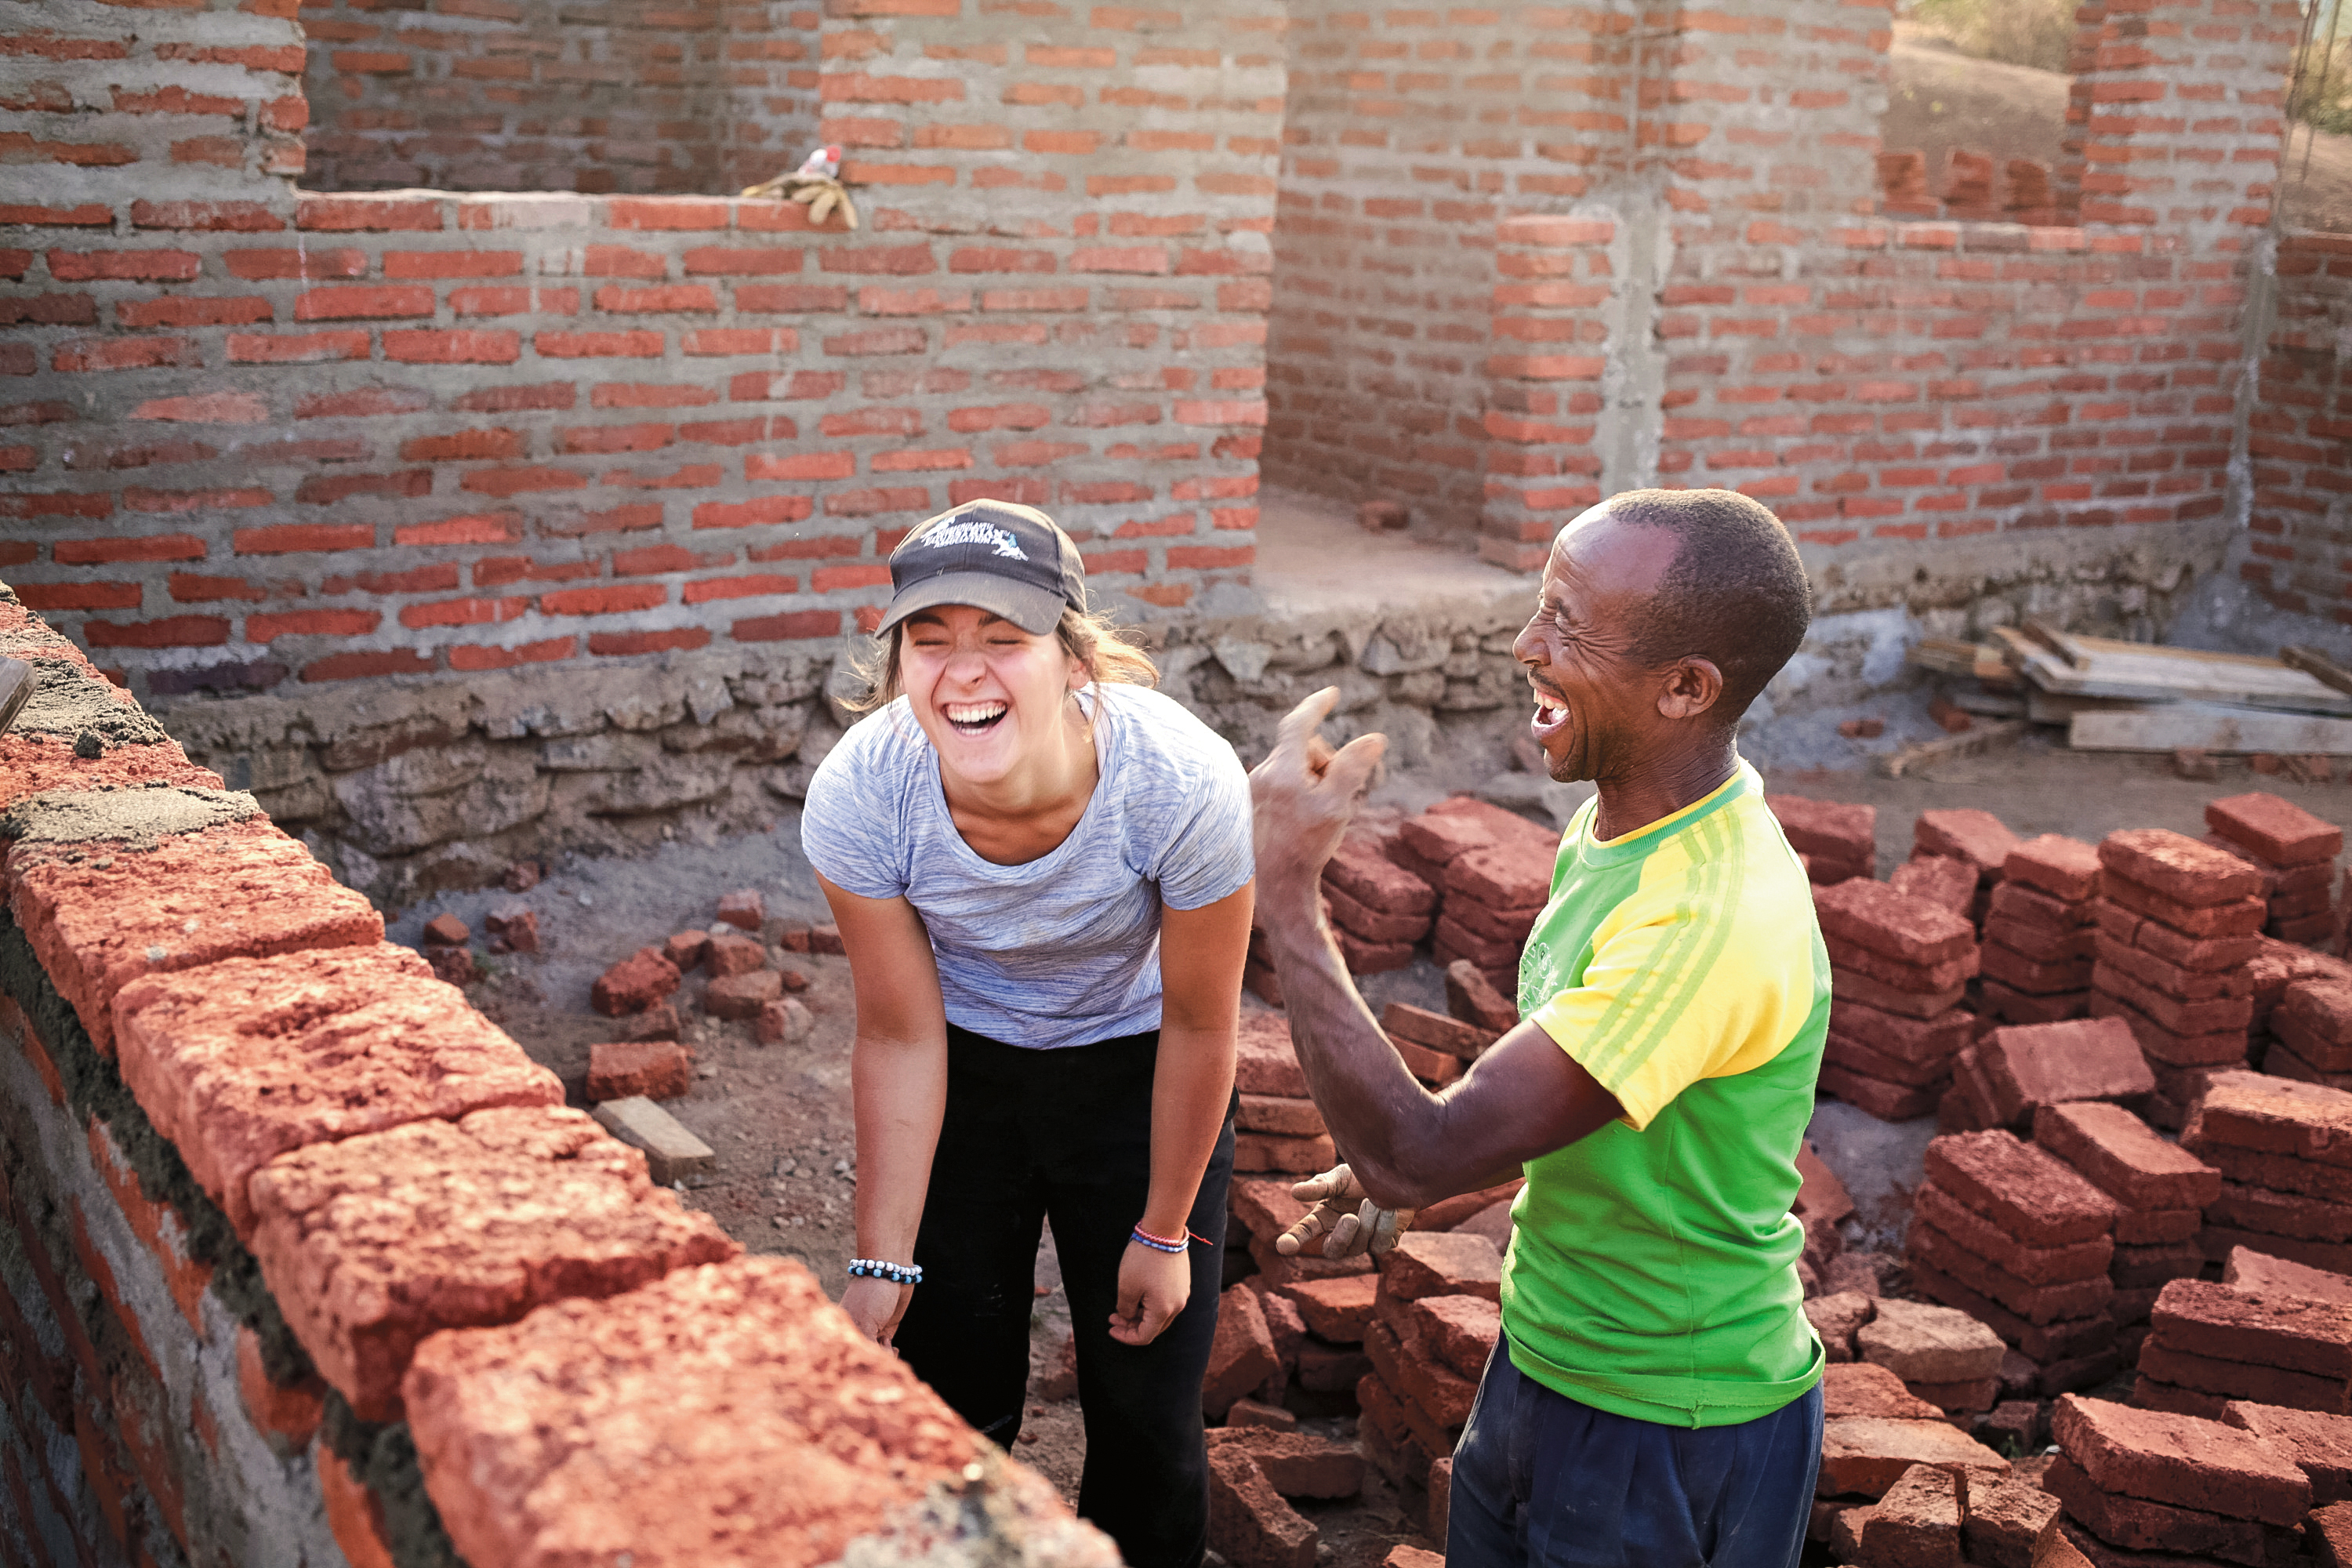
(1191,1088)
(899,1090)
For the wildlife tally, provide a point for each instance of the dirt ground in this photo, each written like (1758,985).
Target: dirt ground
(1938,99)
(779,1117)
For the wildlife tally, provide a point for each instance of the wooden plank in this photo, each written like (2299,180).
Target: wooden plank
(2317,665)
(2209,727)
(2057,642)
(1982,737)
(2057,707)
(2158,650)
(2150,679)
(1945,655)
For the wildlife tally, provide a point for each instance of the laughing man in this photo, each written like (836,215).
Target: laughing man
(1655,1398)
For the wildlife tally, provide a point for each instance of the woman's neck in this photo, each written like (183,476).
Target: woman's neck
(1053,780)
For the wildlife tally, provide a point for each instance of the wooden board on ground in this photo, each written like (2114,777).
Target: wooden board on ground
(2101,668)
(2209,727)
(2051,708)
(1982,737)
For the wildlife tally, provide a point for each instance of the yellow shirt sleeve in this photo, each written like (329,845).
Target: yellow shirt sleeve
(1704,969)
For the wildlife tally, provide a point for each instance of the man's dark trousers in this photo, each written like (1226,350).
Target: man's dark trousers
(1542,1481)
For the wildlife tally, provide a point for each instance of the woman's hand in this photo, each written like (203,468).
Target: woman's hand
(1153,1287)
(875,1306)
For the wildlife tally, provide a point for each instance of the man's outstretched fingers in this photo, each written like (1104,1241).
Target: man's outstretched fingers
(1292,1242)
(1349,770)
(1298,727)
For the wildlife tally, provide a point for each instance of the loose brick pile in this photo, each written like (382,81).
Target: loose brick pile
(1836,841)
(2285,1152)
(1976,839)
(1434,1321)
(2137,1480)
(2311,1033)
(1947,1514)
(1875,1435)
(2175,918)
(2295,853)
(1899,968)
(2161,1192)
(2039,929)
(2209,1342)
(2009,1234)
(1378,910)
(1491,869)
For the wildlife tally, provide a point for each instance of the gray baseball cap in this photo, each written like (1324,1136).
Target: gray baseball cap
(995,555)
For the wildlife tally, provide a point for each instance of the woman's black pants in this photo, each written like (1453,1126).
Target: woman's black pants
(1064,1136)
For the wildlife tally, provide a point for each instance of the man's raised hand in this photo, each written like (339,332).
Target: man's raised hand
(1348,1221)
(1305,794)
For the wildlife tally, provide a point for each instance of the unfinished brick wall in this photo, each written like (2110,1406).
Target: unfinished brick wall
(212,1350)
(526,95)
(2296,551)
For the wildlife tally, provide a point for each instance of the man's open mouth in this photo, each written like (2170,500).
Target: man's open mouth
(1551,715)
(974,718)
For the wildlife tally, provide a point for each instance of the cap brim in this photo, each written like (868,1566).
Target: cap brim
(1035,610)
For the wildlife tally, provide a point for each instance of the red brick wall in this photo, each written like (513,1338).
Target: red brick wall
(702,96)
(2299,545)
(449,433)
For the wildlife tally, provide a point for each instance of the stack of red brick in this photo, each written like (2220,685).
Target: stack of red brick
(2294,853)
(1435,1319)
(1279,1127)
(2176,918)
(1948,1515)
(2040,932)
(2211,1341)
(2285,1152)
(1378,910)
(2266,977)
(1836,841)
(2161,1192)
(1876,1436)
(2009,1234)
(1899,968)
(2311,1033)
(1491,869)
(2010,1075)
(2137,1481)
(1974,838)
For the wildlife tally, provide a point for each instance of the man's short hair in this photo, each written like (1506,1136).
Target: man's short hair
(1736,594)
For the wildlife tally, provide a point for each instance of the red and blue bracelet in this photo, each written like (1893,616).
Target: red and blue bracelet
(1175,1244)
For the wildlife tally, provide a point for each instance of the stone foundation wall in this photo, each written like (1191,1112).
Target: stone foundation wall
(293,1237)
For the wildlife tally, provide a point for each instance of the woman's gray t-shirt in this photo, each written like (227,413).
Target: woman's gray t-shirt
(1063,950)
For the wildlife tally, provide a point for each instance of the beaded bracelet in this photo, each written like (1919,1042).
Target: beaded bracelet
(1182,1243)
(897,1273)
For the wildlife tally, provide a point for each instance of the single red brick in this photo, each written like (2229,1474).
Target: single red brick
(1864,1388)
(2152,936)
(1435,1031)
(2191,984)
(1977,837)
(1851,1056)
(1446,1262)
(2175,867)
(551,1206)
(743,995)
(1440,1396)
(2323,1007)
(2273,1116)
(1472,998)
(242,1060)
(2033,907)
(1882,1098)
(1923,1343)
(1916,979)
(1835,1316)
(1249,1524)
(1264,1062)
(1296,1156)
(2277,830)
(1462,1329)
(687,950)
(1844,834)
(2299,1053)
(2025,1067)
(2154,1227)
(2179,1460)
(105,892)
(2293,1332)
(743,908)
(2238,917)
(2163,1359)
(1336,1310)
(2039,1198)
(447,931)
(514,925)
(657,1069)
(285,1414)
(2260,1274)
(1875,917)
(1503,878)
(2067,869)
(1242,1355)
(1279,1115)
(2124,1157)
(1296,1464)
(2321,1444)
(635,984)
(731,955)
(1939,879)
(2014,1524)
(1851,985)
(1863,1456)
(708,1379)
(2033,977)
(1917,1522)
(1364,874)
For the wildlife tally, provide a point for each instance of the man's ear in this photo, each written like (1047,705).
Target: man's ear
(1690,688)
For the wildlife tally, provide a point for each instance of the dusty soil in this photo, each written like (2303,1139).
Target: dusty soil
(1938,98)
(779,1117)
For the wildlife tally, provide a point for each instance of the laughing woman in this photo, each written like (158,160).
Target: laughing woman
(1041,874)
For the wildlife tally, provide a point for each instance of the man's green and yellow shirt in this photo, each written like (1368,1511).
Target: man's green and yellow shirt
(1653,1266)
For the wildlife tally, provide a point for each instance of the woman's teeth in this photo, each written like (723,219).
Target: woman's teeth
(974,718)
